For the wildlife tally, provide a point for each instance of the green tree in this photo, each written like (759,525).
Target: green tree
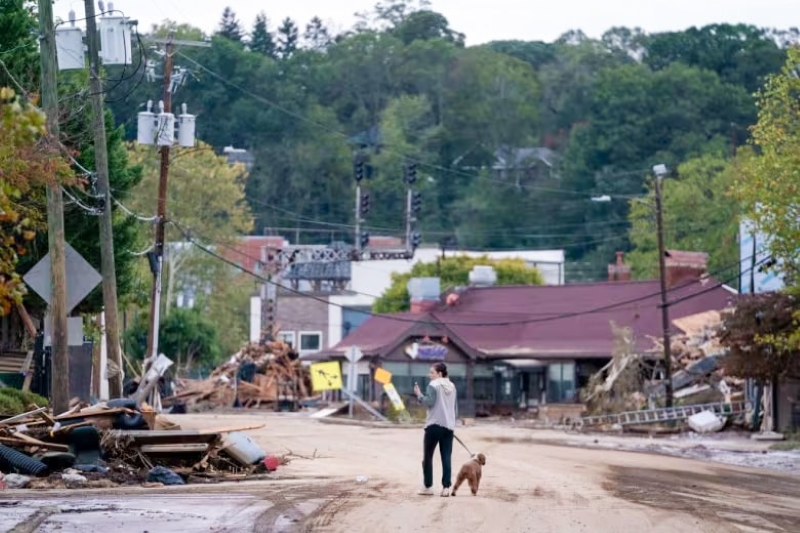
(761,336)
(408,127)
(18,46)
(28,163)
(453,272)
(288,38)
(261,39)
(769,185)
(186,336)
(205,195)
(699,215)
(317,36)
(230,27)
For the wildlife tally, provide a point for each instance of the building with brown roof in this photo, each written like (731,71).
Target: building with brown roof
(523,346)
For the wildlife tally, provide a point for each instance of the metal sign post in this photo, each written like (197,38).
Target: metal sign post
(353,356)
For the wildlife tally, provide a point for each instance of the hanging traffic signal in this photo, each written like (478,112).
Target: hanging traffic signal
(364,206)
(411,173)
(416,239)
(359,170)
(416,202)
(364,239)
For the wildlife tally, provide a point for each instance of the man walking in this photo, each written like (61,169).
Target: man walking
(440,402)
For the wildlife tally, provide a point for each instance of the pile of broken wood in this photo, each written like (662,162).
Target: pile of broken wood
(628,383)
(257,376)
(94,442)
(698,376)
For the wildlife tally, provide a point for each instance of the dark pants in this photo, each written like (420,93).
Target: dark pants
(444,438)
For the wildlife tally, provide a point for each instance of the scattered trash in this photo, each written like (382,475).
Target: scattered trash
(361,479)
(88,447)
(17,481)
(271,463)
(705,422)
(73,480)
(164,476)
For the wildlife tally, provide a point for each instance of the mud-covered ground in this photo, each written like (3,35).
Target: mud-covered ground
(531,482)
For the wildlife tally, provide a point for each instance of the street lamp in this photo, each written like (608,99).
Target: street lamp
(660,172)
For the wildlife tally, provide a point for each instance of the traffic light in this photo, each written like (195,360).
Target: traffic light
(411,173)
(359,170)
(364,239)
(364,207)
(416,239)
(416,202)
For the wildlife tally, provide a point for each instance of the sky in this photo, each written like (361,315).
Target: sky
(480,20)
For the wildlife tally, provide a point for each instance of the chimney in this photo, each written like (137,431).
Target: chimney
(482,276)
(619,271)
(682,267)
(425,294)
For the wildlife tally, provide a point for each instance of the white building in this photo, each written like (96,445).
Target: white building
(371,278)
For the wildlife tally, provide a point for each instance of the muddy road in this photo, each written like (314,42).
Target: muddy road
(527,486)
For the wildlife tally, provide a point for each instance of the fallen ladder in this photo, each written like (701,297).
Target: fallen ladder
(664,414)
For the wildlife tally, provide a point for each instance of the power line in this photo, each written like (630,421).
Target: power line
(609,307)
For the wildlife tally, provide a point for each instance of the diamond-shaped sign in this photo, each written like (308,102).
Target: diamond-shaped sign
(82,278)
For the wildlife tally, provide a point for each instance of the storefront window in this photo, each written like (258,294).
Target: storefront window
(561,382)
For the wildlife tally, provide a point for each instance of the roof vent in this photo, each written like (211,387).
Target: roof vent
(482,276)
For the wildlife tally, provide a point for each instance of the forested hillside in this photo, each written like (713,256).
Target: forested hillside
(402,86)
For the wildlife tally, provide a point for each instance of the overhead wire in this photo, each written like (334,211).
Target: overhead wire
(187,234)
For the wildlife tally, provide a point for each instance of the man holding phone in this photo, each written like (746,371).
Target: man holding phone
(440,401)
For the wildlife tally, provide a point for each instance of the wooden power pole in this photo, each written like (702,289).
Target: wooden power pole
(663,279)
(155,294)
(55,218)
(107,266)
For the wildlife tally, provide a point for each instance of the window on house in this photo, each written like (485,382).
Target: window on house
(561,382)
(287,337)
(310,341)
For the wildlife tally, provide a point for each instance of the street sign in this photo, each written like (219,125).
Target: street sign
(394,396)
(383,376)
(326,376)
(354,354)
(82,278)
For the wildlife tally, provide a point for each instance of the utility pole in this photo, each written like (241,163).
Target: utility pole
(107,266)
(155,295)
(661,171)
(55,218)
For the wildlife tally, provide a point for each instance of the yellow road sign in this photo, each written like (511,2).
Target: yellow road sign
(326,376)
(383,376)
(393,395)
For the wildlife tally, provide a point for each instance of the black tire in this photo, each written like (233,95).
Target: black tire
(11,459)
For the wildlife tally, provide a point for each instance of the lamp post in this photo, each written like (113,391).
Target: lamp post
(660,171)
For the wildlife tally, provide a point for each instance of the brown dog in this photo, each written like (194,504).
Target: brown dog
(471,471)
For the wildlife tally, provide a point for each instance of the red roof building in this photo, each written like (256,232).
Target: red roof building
(529,345)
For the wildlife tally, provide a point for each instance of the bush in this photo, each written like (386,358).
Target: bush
(15,401)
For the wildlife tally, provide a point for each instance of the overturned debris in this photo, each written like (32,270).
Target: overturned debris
(116,443)
(259,375)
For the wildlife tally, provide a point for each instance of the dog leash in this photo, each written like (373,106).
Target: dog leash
(464,445)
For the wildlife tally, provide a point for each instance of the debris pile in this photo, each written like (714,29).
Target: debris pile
(257,376)
(698,376)
(115,443)
(631,381)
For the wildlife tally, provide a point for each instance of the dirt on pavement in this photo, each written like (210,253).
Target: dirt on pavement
(526,486)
